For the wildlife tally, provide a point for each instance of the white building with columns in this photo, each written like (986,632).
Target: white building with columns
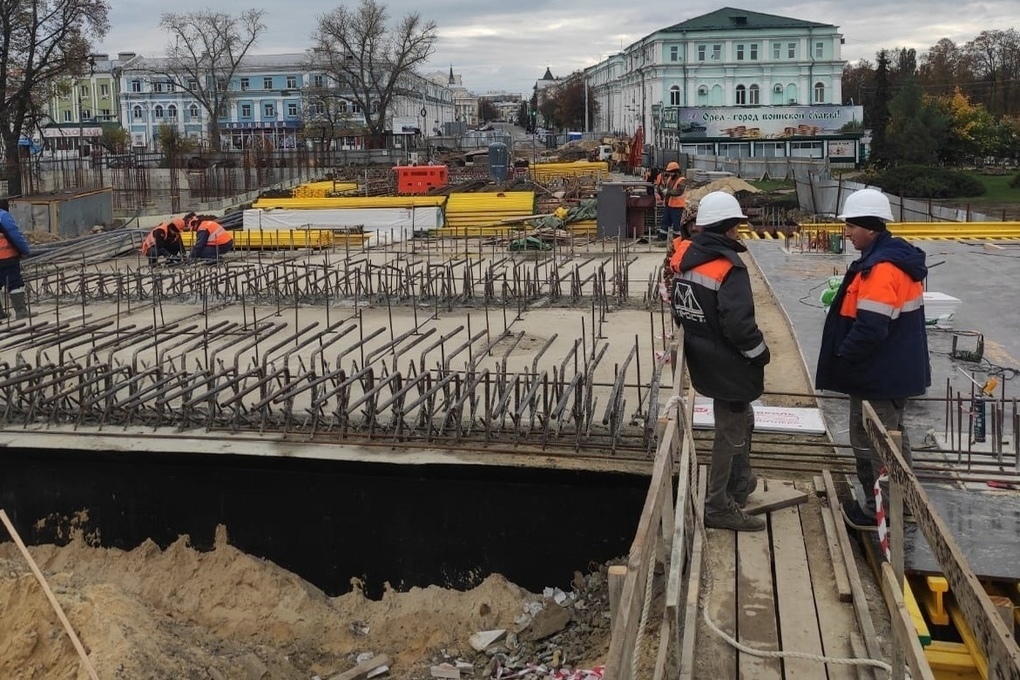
(732,82)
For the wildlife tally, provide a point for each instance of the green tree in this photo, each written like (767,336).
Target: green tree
(205,51)
(367,60)
(487,111)
(41,42)
(570,104)
(918,127)
(859,84)
(114,139)
(877,116)
(522,115)
(971,129)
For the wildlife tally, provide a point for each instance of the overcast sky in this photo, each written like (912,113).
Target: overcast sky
(507,44)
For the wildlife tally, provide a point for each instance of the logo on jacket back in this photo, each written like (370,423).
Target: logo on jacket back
(685,304)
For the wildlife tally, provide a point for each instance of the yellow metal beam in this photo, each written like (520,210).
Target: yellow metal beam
(951,660)
(284,239)
(969,641)
(923,634)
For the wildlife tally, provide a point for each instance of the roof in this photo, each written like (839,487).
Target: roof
(548,74)
(731,18)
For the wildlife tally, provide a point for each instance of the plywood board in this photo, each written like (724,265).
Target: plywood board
(773,497)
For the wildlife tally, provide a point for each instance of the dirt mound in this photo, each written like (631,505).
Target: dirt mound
(731,185)
(180,613)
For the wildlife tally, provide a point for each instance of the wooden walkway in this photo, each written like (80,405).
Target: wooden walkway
(777,590)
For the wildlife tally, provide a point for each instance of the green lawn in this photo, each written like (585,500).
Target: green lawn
(1000,200)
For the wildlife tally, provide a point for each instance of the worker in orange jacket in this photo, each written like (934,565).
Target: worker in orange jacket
(670,187)
(165,240)
(13,247)
(212,241)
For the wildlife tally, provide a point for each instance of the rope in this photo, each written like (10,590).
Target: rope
(670,405)
(770,654)
(644,618)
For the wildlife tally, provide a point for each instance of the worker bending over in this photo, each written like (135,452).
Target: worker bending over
(212,241)
(13,247)
(165,241)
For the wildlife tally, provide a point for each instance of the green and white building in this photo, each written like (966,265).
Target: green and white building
(732,83)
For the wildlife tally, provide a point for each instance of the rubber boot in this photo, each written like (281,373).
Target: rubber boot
(19,304)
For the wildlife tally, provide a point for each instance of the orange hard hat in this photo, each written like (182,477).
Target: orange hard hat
(673,165)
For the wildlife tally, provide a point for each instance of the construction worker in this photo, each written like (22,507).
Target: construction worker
(725,351)
(670,186)
(13,247)
(211,241)
(165,241)
(874,343)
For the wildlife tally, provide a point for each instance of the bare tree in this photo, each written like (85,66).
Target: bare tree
(41,41)
(363,57)
(326,117)
(205,51)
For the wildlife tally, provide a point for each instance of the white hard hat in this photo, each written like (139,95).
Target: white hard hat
(716,207)
(866,203)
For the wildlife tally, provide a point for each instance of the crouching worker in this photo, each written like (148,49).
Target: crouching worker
(211,241)
(13,247)
(725,351)
(165,241)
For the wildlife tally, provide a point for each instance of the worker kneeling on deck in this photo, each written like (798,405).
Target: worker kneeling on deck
(725,351)
(165,241)
(211,241)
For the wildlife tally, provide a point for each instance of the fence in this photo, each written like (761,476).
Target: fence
(762,168)
(824,196)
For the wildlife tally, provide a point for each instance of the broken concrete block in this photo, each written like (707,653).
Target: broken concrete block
(549,621)
(482,639)
(445,670)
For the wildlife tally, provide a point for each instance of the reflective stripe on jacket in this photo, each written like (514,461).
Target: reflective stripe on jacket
(713,302)
(667,186)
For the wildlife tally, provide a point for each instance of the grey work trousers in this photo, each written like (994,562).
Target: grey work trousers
(869,463)
(730,472)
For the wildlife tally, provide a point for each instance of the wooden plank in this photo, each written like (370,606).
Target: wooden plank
(86,661)
(776,497)
(916,617)
(835,554)
(860,600)
(798,619)
(681,514)
(905,635)
(990,632)
(756,608)
(860,651)
(690,629)
(819,484)
(835,617)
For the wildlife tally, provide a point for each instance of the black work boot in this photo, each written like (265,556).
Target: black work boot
(734,519)
(19,304)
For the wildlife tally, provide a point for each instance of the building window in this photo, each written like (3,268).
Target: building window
(267,83)
(674,53)
(171,112)
(291,110)
(791,50)
(355,107)
(291,82)
(318,81)
(158,112)
(819,93)
(67,116)
(83,91)
(740,52)
(319,109)
(170,87)
(268,111)
(244,84)
(104,90)
(753,49)
(716,52)
(158,86)
(245,110)
(136,86)
(192,84)
(85,115)
(193,111)
(741,93)
(674,95)
(701,52)
(343,107)
(777,51)
(136,113)
(753,97)
(104,114)
(819,50)
(806,149)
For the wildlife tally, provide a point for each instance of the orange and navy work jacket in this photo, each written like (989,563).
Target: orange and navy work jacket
(668,184)
(874,342)
(218,236)
(712,301)
(162,233)
(12,242)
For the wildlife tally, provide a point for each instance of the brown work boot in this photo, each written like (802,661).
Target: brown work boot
(734,520)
